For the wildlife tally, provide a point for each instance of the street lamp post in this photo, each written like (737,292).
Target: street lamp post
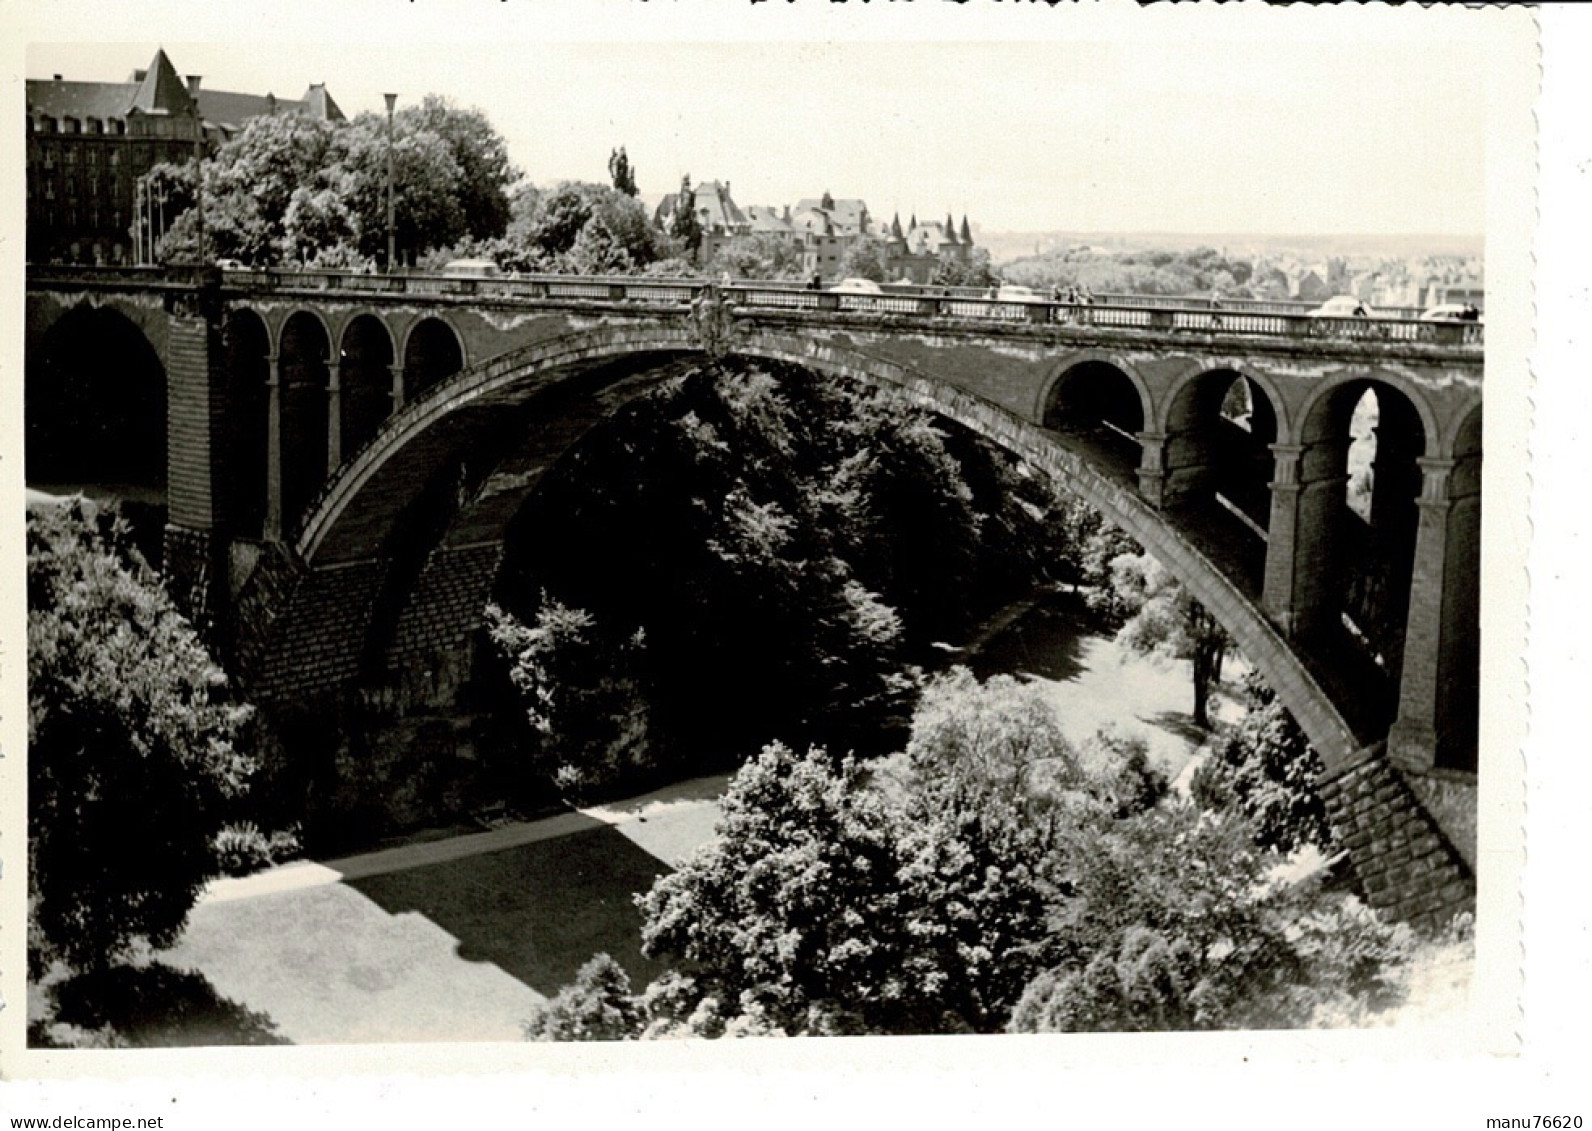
(391,99)
(199,190)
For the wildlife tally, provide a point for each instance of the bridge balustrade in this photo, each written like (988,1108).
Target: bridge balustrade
(780,299)
(1260,318)
(659,292)
(878,304)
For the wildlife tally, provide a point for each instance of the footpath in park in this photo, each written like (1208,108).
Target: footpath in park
(447,940)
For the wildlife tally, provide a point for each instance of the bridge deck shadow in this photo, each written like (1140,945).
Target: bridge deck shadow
(539,910)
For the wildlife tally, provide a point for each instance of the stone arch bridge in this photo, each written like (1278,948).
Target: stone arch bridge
(341,456)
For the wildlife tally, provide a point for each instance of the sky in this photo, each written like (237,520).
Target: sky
(1323,130)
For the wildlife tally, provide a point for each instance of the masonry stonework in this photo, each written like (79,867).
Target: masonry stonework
(431,653)
(1407,867)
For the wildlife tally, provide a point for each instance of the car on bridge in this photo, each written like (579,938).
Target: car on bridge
(1344,306)
(471,269)
(1451,312)
(855,286)
(231,265)
(1011,292)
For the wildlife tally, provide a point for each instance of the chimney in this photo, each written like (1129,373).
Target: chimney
(139,74)
(57,78)
(193,86)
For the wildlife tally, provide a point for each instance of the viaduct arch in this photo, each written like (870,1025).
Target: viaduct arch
(359,516)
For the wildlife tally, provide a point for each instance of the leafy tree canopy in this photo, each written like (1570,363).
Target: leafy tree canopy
(990,877)
(975,271)
(485,172)
(621,173)
(579,227)
(1265,768)
(1200,271)
(685,228)
(760,256)
(784,544)
(865,259)
(581,694)
(132,745)
(1165,619)
(295,190)
(1175,921)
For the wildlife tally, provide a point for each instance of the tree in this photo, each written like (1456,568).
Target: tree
(597,1006)
(686,227)
(479,151)
(786,545)
(318,228)
(791,913)
(582,227)
(132,746)
(987,877)
(761,255)
(903,517)
(1266,769)
(990,787)
(865,258)
(913,899)
(1102,544)
(429,210)
(297,190)
(1174,922)
(249,184)
(581,694)
(1165,619)
(974,271)
(621,173)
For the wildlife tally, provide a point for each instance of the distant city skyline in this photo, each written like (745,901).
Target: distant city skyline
(1106,136)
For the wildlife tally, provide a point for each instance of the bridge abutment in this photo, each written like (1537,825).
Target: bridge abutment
(1406,865)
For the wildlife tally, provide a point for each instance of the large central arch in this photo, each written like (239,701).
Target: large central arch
(358,516)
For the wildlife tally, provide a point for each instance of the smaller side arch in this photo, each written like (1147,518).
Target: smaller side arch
(433,350)
(365,361)
(1216,437)
(1194,368)
(304,353)
(1398,380)
(1072,361)
(246,342)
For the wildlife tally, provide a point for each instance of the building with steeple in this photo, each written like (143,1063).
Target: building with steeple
(917,250)
(89,143)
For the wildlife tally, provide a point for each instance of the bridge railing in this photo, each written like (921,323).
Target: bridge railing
(1260,318)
